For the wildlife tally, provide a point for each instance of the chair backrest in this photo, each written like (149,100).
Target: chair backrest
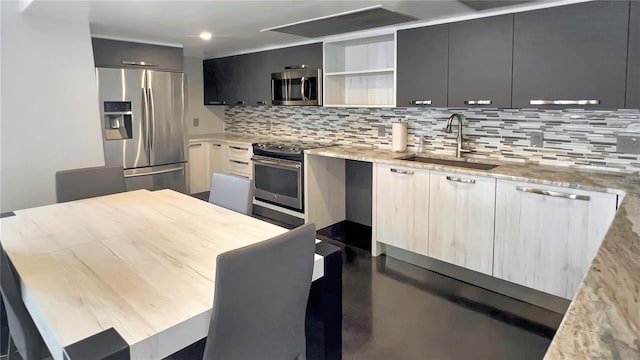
(23,331)
(232,192)
(260,299)
(85,183)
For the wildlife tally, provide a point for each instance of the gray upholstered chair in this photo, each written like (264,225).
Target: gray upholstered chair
(85,183)
(232,192)
(23,334)
(260,299)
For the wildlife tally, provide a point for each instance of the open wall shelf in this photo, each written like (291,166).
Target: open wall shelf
(360,72)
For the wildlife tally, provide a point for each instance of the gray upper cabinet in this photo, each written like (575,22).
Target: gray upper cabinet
(217,81)
(422,66)
(124,54)
(574,52)
(310,55)
(246,79)
(256,68)
(480,54)
(633,67)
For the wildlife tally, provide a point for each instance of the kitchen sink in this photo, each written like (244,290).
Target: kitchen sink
(454,163)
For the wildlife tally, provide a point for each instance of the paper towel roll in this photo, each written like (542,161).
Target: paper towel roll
(399,137)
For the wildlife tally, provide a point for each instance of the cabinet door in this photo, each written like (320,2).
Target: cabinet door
(216,158)
(259,80)
(198,168)
(546,241)
(423,55)
(633,65)
(480,54)
(402,207)
(119,54)
(461,220)
(217,81)
(574,52)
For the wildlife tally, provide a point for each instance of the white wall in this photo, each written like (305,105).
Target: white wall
(49,117)
(211,118)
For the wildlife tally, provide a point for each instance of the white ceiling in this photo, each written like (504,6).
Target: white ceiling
(235,25)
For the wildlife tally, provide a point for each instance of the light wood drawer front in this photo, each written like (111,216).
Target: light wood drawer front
(241,174)
(461,220)
(239,165)
(402,217)
(546,237)
(239,151)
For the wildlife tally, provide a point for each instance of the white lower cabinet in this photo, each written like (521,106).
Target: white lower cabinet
(238,159)
(216,158)
(461,220)
(546,237)
(402,207)
(205,158)
(198,167)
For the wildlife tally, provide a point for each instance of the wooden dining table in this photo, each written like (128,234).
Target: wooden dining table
(142,263)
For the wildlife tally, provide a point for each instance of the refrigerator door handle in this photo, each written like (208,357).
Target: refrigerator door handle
(152,125)
(145,120)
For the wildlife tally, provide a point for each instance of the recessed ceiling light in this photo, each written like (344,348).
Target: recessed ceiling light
(205,35)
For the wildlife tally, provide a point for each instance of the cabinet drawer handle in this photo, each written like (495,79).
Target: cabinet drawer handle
(238,148)
(564,102)
(218,145)
(420,102)
(478,102)
(239,162)
(194,145)
(398,171)
(553,193)
(241,102)
(261,102)
(461,180)
(238,174)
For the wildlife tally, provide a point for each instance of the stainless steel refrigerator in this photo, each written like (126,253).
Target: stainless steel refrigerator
(142,114)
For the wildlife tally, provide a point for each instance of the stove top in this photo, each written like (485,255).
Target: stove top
(289,147)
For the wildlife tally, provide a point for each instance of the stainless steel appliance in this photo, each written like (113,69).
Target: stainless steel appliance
(142,116)
(278,169)
(297,85)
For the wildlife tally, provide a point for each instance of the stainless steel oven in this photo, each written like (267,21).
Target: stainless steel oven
(278,181)
(297,86)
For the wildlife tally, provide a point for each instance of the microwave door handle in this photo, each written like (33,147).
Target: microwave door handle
(302,81)
(285,89)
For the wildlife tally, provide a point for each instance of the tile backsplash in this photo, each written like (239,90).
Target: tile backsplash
(585,138)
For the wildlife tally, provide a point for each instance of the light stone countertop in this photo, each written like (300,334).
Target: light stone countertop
(603,320)
(229,137)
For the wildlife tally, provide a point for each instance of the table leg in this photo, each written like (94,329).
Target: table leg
(324,309)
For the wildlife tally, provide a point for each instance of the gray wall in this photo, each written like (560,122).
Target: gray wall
(50,114)
(210,118)
(358,196)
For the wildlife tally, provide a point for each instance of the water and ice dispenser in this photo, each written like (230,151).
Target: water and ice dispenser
(117,120)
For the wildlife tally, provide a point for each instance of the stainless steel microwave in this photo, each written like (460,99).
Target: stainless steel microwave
(297,86)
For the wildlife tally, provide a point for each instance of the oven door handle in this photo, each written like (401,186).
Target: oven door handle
(286,165)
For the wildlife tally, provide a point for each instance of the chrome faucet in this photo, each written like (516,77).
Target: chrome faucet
(459,149)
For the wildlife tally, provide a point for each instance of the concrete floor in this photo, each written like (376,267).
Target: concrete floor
(395,310)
